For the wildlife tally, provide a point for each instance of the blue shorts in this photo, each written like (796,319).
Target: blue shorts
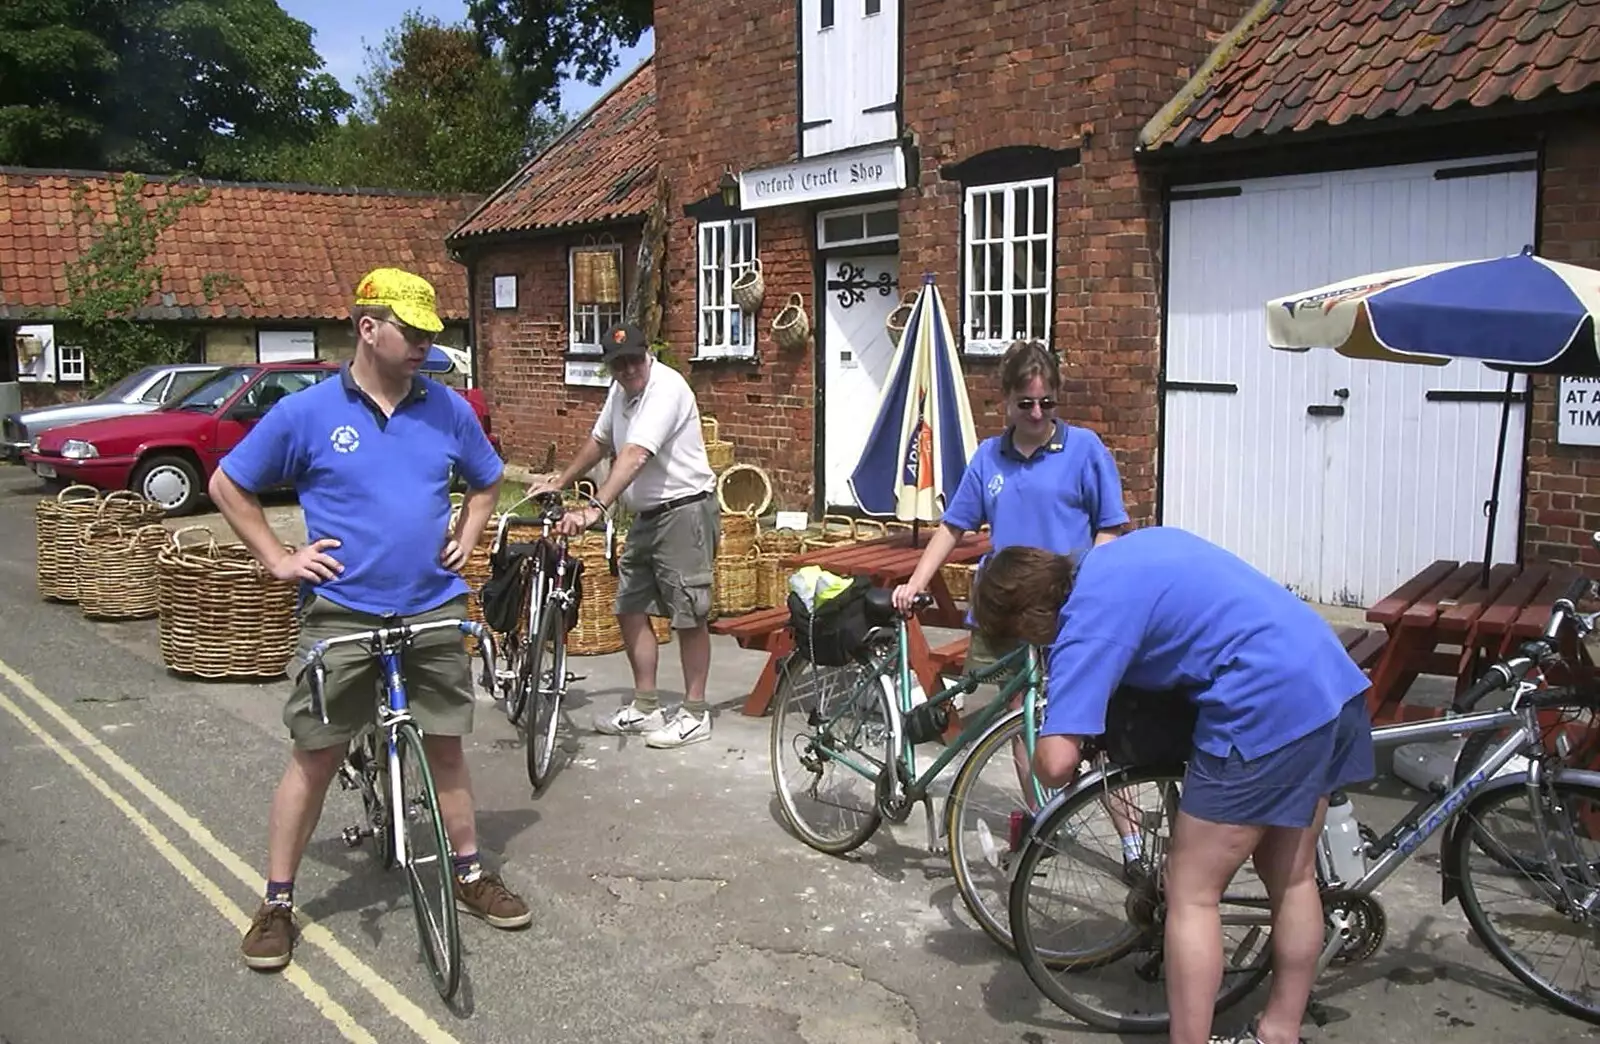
(1282,788)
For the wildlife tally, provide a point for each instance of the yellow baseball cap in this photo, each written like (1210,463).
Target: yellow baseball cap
(409,296)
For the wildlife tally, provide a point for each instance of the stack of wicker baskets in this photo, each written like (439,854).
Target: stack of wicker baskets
(61,524)
(221,614)
(733,582)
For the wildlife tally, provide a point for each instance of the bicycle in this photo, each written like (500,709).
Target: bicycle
(1487,781)
(381,758)
(549,605)
(870,728)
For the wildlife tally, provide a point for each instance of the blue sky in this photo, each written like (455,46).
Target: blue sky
(344,29)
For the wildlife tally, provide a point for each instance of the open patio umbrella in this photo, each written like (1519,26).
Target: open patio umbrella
(923,435)
(1519,314)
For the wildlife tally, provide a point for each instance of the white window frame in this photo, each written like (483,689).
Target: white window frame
(598,314)
(824,243)
(1008,296)
(714,279)
(70,364)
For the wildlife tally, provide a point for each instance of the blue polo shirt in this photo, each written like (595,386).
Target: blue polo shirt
(1161,608)
(1055,499)
(379,485)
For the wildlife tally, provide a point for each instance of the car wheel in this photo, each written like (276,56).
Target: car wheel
(172,482)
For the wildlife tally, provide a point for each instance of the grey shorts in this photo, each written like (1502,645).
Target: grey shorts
(436,670)
(666,567)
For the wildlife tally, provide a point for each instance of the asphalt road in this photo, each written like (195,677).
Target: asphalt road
(669,904)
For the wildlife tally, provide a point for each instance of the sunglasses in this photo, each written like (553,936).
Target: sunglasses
(1027,405)
(412,335)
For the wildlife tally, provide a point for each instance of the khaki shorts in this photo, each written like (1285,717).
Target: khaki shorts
(436,670)
(665,569)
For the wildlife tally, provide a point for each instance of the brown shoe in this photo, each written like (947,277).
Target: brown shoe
(490,899)
(269,943)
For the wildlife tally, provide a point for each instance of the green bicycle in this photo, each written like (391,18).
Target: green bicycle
(843,752)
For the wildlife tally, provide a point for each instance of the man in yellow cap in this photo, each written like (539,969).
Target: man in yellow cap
(371,453)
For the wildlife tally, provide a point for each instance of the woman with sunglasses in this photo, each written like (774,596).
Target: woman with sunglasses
(1040,483)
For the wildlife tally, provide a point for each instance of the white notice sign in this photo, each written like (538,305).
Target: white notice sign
(1578,411)
(587,372)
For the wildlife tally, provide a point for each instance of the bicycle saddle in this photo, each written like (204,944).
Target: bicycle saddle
(880,607)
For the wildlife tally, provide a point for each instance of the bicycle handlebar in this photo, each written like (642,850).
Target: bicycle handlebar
(386,635)
(552,510)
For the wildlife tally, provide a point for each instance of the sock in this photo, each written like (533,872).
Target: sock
(646,701)
(695,707)
(1132,848)
(467,867)
(280,893)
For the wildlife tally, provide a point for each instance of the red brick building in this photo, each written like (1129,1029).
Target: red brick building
(256,271)
(1130,183)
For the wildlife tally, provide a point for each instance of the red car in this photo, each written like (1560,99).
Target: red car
(168,455)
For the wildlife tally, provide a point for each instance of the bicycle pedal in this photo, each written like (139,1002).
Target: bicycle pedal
(353,836)
(572,677)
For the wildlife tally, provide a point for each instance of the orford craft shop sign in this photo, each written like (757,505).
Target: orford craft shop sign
(879,168)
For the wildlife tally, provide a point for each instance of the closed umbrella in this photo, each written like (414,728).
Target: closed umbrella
(923,435)
(1520,313)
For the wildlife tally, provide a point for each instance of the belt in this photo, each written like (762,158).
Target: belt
(676,502)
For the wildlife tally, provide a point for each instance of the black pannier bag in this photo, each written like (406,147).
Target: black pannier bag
(504,596)
(831,635)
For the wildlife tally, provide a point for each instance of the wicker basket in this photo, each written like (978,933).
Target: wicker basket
(719,455)
(597,632)
(744,489)
(771,579)
(739,532)
(838,529)
(221,614)
(868,529)
(958,578)
(120,573)
(790,327)
(127,508)
(750,287)
(896,323)
(733,586)
(781,541)
(57,528)
(709,429)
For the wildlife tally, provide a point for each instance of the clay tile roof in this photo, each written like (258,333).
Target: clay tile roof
(1290,65)
(601,168)
(263,251)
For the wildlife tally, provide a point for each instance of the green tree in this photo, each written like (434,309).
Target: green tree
(157,85)
(542,39)
(116,275)
(437,111)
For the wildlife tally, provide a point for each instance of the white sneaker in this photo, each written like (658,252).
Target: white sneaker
(682,730)
(629,722)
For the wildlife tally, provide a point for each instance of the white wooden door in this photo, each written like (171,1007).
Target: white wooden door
(849,73)
(1340,478)
(859,293)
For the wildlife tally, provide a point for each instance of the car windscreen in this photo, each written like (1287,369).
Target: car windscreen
(186,381)
(123,388)
(209,397)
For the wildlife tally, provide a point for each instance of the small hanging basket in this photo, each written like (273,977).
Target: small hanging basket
(744,489)
(895,325)
(790,327)
(750,287)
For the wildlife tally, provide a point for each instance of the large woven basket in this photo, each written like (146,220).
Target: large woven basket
(771,578)
(57,529)
(738,534)
(221,614)
(597,632)
(744,489)
(120,573)
(733,584)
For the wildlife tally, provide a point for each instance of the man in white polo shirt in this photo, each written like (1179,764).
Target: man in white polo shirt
(650,425)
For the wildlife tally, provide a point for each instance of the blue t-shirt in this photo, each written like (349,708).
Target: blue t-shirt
(1056,499)
(380,486)
(1161,608)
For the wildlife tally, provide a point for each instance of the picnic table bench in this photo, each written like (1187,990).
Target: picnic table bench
(886,561)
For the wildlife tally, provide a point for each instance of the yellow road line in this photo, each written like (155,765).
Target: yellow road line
(381,990)
(329,1008)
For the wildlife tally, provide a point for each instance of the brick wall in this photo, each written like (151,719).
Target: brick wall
(1020,72)
(1563,482)
(522,352)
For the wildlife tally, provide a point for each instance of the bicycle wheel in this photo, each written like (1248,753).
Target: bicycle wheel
(1550,907)
(427,863)
(986,807)
(1099,955)
(545,713)
(827,752)
(375,797)
(522,648)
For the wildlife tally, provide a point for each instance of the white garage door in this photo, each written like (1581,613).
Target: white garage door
(1340,478)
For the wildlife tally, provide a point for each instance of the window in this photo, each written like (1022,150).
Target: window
(594,290)
(857,225)
(873,7)
(726,250)
(1009,259)
(69,359)
(827,14)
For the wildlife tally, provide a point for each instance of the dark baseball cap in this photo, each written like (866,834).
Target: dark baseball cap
(624,339)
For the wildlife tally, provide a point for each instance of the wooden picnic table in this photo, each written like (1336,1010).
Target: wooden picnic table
(1446,605)
(887,561)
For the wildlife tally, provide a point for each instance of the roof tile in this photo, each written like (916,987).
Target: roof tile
(1344,59)
(602,168)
